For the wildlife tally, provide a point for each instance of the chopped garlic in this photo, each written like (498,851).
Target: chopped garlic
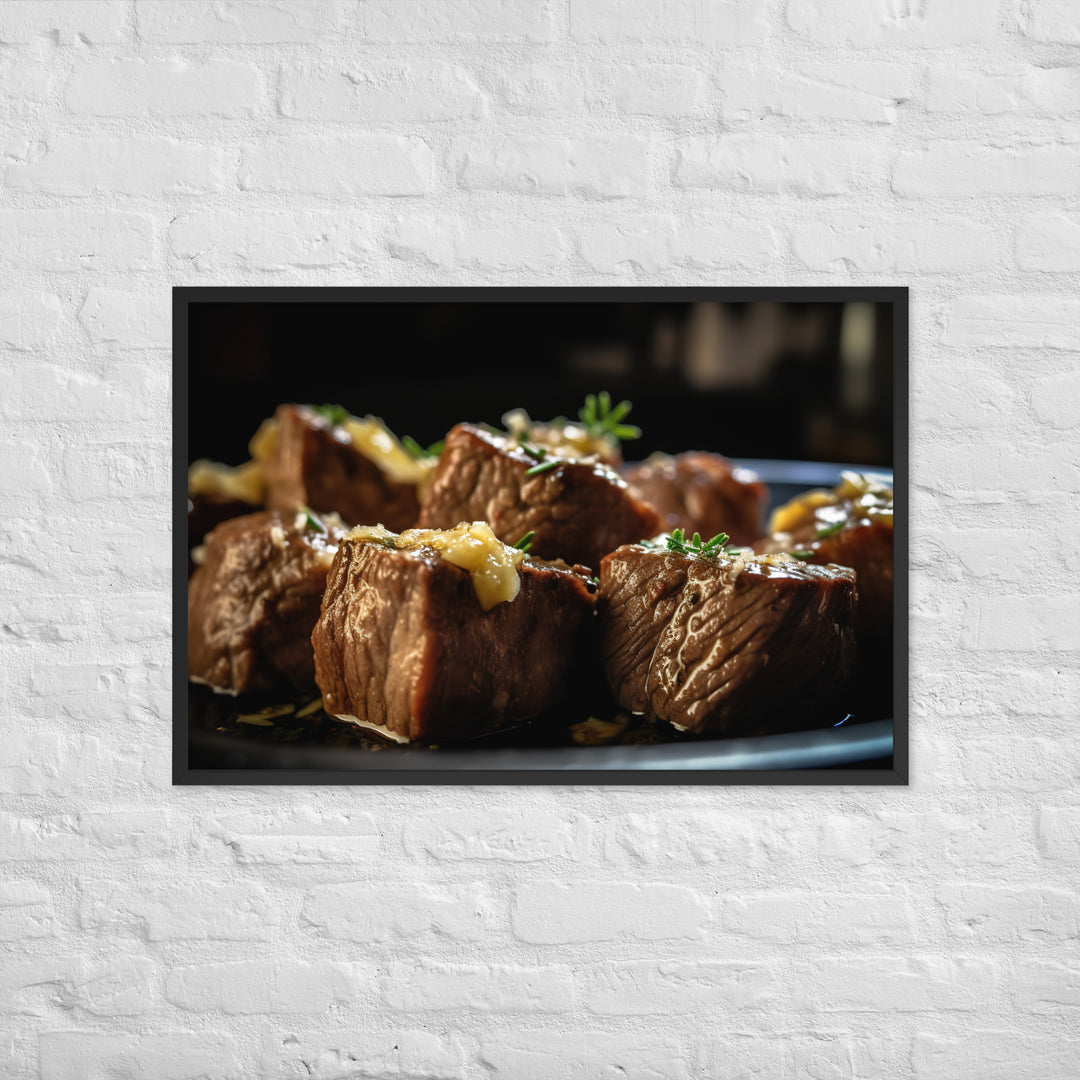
(492,565)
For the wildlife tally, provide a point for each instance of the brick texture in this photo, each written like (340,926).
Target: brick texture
(452,934)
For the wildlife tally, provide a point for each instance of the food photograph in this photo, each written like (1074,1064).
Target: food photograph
(540,536)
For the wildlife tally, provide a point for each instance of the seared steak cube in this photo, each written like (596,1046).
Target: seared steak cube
(436,636)
(701,493)
(354,467)
(725,645)
(852,526)
(578,510)
(254,599)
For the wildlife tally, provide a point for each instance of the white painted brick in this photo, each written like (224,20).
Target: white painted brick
(583,1055)
(1003,913)
(1045,986)
(967,169)
(1011,89)
(23,469)
(124,469)
(739,241)
(283,836)
(541,88)
(420,92)
(164,88)
(187,1055)
(28,320)
(96,21)
(263,986)
(217,911)
(548,913)
(773,164)
(868,92)
(448,20)
(995,1055)
(676,987)
(1036,765)
(492,243)
(33,987)
(391,912)
(800,916)
(1051,20)
(435,987)
(321,1056)
(657,89)
(1059,832)
(613,22)
(360,165)
(873,245)
(68,240)
(504,836)
(818,1054)
(933,24)
(214,240)
(97,835)
(992,466)
(25,80)
(229,22)
(101,165)
(1056,399)
(26,911)
(126,320)
(888,983)
(48,392)
(1049,242)
(1041,322)
(117,987)
(596,167)
(625,247)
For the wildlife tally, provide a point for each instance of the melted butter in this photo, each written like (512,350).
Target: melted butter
(245,482)
(472,546)
(567,440)
(379,445)
(869,495)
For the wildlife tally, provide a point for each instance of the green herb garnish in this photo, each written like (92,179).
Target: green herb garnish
(830,530)
(595,580)
(310,520)
(703,549)
(333,414)
(602,420)
(526,541)
(544,467)
(802,555)
(537,453)
(418,452)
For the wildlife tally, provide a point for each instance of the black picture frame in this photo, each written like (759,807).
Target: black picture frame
(184,296)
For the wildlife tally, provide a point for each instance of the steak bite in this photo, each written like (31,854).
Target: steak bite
(578,510)
(328,460)
(440,636)
(852,526)
(724,644)
(700,492)
(255,597)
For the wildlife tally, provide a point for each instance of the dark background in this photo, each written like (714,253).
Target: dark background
(806,381)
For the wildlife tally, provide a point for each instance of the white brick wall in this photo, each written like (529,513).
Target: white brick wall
(929,933)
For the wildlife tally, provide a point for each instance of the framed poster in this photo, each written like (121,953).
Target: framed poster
(487,535)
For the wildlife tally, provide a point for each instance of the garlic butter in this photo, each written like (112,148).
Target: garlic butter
(472,546)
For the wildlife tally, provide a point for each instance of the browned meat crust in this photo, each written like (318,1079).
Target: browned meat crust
(691,641)
(315,464)
(254,600)
(578,511)
(402,643)
(701,492)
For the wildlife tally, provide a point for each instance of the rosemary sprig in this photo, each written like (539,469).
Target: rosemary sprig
(310,520)
(418,452)
(544,466)
(332,414)
(526,541)
(537,453)
(830,530)
(601,419)
(703,549)
(803,556)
